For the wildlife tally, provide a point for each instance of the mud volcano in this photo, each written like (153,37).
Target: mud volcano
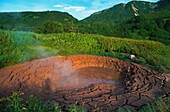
(95,82)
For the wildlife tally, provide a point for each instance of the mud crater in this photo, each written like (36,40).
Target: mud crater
(86,76)
(95,82)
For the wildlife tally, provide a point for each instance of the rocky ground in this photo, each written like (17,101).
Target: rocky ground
(94,82)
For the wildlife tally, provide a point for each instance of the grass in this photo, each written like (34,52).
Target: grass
(18,47)
(160,105)
(15,103)
(149,53)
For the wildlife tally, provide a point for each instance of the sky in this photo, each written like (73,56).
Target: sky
(79,9)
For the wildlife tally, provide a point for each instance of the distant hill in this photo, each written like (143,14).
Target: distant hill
(163,4)
(28,21)
(136,19)
(122,12)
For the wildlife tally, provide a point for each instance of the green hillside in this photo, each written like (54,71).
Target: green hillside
(30,21)
(105,21)
(136,20)
(19,47)
(163,3)
(142,27)
(121,12)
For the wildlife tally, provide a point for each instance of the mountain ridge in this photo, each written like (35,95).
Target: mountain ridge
(31,20)
(135,19)
(119,11)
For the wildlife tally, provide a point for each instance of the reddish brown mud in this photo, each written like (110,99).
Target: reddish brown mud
(94,82)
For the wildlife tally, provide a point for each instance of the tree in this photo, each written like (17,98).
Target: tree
(52,27)
(69,26)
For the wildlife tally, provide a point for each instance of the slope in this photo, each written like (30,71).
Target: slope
(122,12)
(28,21)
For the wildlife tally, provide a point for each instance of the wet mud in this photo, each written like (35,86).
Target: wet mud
(94,82)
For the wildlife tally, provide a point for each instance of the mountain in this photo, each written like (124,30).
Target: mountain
(104,22)
(136,19)
(122,12)
(163,4)
(28,21)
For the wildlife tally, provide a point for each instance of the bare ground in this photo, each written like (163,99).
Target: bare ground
(95,82)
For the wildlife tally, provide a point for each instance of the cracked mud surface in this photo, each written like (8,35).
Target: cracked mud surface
(95,82)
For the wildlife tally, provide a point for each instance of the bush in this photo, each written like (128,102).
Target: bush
(18,47)
(150,53)
(15,103)
(52,27)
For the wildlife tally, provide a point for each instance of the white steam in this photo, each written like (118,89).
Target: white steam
(65,76)
(63,68)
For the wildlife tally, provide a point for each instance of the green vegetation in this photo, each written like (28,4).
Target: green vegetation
(62,34)
(32,21)
(142,27)
(148,53)
(160,105)
(15,103)
(118,13)
(18,47)
(150,21)
(51,27)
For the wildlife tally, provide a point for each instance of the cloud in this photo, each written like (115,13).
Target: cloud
(82,14)
(76,8)
(79,12)
(58,6)
(66,7)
